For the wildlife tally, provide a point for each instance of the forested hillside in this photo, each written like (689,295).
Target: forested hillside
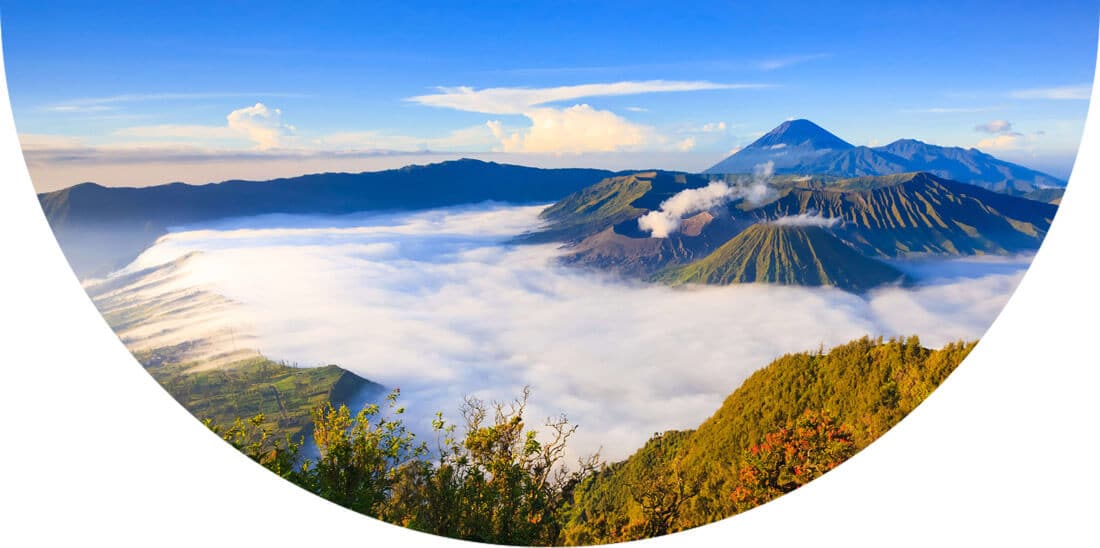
(491,478)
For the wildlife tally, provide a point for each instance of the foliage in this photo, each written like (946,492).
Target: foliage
(856,392)
(790,457)
(491,479)
(362,458)
(499,482)
(258,443)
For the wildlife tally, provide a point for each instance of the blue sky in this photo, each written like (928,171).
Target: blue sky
(145,92)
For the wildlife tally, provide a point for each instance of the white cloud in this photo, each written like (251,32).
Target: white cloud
(520,100)
(637,109)
(257,124)
(994,127)
(262,125)
(665,220)
(1011,141)
(713,127)
(576,129)
(807,219)
(1076,92)
(432,303)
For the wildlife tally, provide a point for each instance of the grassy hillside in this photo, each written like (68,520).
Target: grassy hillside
(610,202)
(792,255)
(285,395)
(867,386)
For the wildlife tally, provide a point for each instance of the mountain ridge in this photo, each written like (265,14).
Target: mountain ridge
(824,154)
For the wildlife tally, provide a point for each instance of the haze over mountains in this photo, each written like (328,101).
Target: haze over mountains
(102,228)
(803,147)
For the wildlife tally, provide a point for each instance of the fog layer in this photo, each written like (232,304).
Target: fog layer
(434,303)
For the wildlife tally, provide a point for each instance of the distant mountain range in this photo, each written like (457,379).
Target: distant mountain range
(803,147)
(102,228)
(806,231)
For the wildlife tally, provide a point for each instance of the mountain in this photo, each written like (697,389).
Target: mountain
(865,386)
(1047,195)
(888,216)
(101,228)
(794,143)
(623,249)
(919,213)
(610,202)
(968,166)
(802,147)
(785,254)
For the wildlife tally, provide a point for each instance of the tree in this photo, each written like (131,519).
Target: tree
(790,457)
(259,444)
(498,484)
(361,458)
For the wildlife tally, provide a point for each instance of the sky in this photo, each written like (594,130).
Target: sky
(146,93)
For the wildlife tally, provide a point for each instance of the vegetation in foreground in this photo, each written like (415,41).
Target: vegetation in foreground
(492,479)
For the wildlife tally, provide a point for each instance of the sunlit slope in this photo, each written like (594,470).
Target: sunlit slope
(790,255)
(903,214)
(866,385)
(198,346)
(610,202)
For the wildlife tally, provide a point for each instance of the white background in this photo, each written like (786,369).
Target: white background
(94,452)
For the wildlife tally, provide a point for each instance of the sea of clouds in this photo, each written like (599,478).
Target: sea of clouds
(436,303)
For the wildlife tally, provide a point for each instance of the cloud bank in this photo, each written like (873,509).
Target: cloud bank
(433,303)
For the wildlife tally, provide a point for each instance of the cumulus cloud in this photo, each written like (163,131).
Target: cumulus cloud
(262,125)
(666,220)
(432,302)
(713,127)
(807,219)
(577,129)
(995,127)
(257,124)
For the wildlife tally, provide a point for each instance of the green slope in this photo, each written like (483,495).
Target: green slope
(283,394)
(790,255)
(867,385)
(897,215)
(610,202)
